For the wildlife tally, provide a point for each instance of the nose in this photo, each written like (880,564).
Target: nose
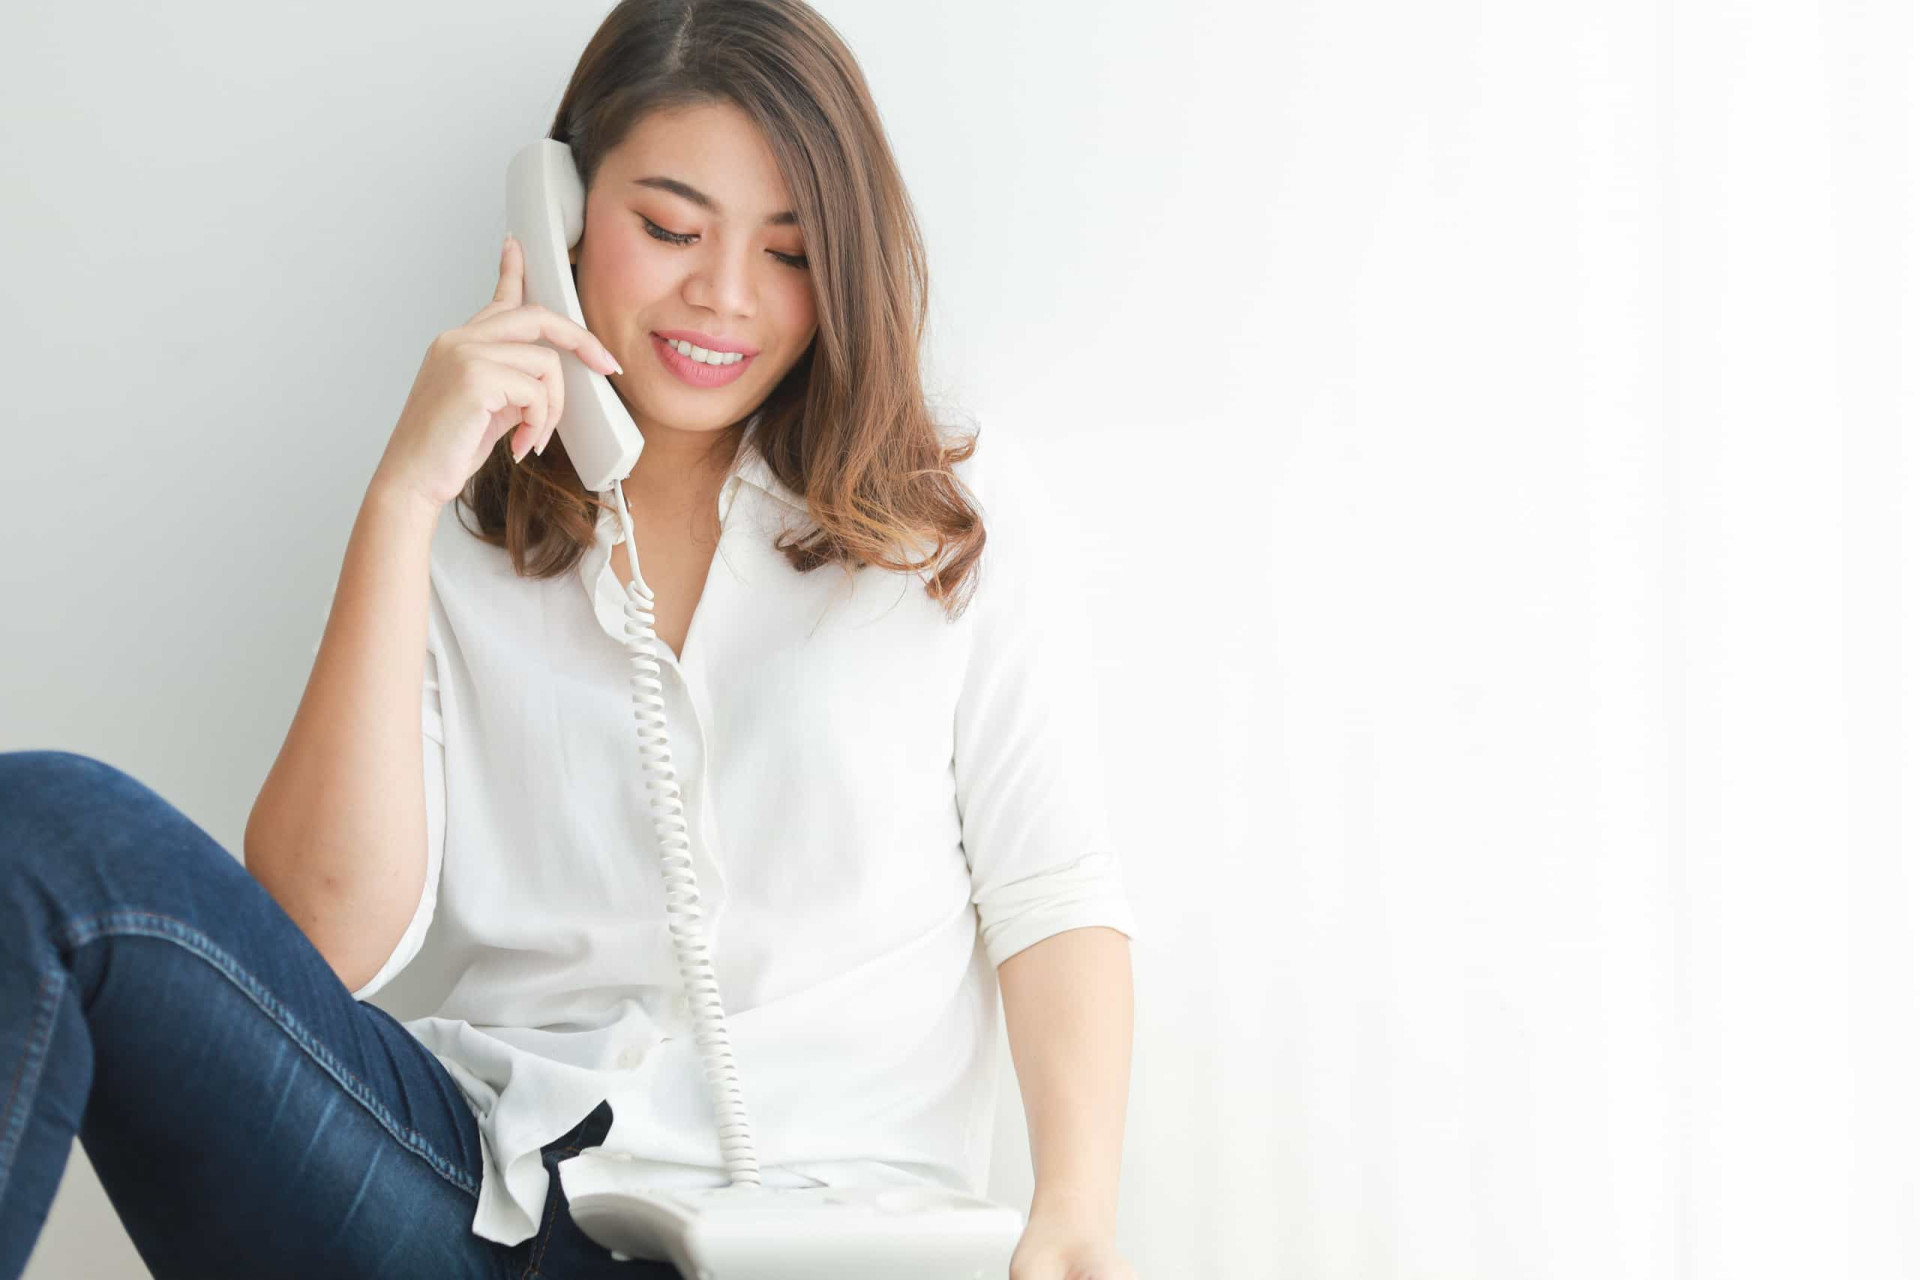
(722,280)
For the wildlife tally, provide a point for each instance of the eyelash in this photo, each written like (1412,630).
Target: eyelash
(658,232)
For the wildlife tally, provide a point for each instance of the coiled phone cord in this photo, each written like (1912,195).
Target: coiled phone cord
(676,869)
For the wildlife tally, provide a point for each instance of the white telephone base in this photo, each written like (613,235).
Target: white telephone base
(747,1232)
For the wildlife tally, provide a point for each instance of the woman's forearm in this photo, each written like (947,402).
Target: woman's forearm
(338,834)
(1069,1004)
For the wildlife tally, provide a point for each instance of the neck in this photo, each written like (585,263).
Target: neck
(677,470)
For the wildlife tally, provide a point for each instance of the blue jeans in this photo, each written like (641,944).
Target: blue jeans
(246,1115)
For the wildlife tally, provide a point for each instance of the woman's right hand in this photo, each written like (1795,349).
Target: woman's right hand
(480,381)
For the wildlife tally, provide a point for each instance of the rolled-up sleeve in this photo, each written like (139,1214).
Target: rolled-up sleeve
(1027,770)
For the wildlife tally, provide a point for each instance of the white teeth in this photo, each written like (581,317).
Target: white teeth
(703,355)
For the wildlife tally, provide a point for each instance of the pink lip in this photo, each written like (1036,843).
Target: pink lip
(708,341)
(694,372)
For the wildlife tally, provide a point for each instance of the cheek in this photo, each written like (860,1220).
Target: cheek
(630,270)
(624,266)
(798,316)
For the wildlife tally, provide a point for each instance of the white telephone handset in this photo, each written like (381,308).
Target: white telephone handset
(546,211)
(743,1231)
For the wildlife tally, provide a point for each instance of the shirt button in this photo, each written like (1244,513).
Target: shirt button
(631,1058)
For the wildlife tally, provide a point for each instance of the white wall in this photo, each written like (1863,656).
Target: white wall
(1510,702)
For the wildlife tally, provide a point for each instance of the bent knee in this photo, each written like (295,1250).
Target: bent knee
(51,799)
(43,777)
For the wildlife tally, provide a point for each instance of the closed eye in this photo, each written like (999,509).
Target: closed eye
(659,232)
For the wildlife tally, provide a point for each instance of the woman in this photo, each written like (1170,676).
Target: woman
(889,778)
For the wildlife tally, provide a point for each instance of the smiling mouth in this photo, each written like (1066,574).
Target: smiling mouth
(695,339)
(697,373)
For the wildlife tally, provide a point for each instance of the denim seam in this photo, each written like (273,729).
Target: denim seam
(26,1077)
(154,925)
(554,1210)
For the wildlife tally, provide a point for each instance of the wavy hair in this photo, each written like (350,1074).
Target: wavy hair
(848,428)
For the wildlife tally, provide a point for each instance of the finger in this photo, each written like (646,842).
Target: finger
(510,289)
(513,270)
(499,422)
(531,321)
(507,386)
(541,362)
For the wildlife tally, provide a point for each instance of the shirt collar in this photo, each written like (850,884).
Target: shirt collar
(750,467)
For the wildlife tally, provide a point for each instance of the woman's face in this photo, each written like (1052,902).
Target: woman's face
(689,229)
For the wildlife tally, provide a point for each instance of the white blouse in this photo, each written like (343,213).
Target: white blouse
(883,806)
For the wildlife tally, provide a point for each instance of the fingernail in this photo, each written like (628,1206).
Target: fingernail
(523,452)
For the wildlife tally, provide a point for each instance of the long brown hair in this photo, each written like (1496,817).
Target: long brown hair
(849,427)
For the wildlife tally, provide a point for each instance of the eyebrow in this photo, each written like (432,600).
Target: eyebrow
(785,218)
